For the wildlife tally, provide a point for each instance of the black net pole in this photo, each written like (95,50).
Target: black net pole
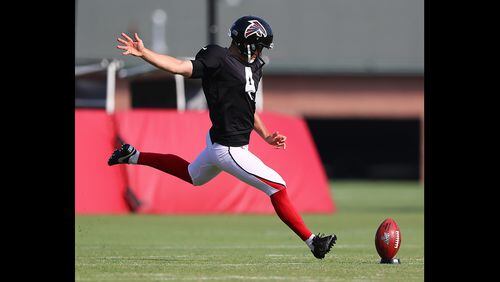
(212,21)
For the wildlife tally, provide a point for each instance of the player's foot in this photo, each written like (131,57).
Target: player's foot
(122,155)
(322,244)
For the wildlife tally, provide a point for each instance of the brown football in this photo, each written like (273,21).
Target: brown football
(388,239)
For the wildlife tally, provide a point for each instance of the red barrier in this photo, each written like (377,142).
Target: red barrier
(98,189)
(183,134)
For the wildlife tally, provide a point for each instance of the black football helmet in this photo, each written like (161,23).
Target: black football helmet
(250,34)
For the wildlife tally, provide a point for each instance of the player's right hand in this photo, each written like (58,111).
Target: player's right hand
(130,46)
(277,140)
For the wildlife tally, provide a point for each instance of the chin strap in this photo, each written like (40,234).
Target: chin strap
(248,53)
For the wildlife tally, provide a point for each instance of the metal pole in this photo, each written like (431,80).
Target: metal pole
(212,21)
(76,15)
(181,95)
(159,21)
(259,98)
(110,87)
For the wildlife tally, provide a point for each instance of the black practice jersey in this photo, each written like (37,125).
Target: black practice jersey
(230,86)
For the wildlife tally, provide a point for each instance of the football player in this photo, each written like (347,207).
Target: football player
(230,78)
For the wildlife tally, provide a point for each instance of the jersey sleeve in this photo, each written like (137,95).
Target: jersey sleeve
(207,61)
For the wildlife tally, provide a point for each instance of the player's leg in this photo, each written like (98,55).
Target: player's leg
(203,169)
(247,167)
(167,163)
(197,173)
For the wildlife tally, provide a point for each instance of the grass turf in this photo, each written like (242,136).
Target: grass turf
(256,247)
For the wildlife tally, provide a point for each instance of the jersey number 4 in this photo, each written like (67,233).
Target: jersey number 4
(250,85)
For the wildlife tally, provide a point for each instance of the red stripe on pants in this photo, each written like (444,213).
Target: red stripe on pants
(275,185)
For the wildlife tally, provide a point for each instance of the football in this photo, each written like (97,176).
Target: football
(388,239)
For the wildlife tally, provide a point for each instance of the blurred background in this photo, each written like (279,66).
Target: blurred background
(345,83)
(352,69)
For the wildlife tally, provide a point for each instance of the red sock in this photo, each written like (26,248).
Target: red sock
(289,215)
(168,163)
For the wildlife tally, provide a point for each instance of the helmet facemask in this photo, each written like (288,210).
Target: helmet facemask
(250,51)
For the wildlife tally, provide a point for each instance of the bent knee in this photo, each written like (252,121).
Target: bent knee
(198,183)
(202,179)
(271,187)
(274,184)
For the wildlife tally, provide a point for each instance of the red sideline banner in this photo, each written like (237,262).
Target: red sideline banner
(183,134)
(98,189)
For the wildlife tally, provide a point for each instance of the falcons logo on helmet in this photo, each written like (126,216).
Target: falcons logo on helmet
(255,27)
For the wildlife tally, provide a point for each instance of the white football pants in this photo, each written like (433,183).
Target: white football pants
(237,161)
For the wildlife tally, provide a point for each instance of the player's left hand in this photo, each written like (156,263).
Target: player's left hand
(277,140)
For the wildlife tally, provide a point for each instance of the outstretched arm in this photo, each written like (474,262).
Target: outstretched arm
(276,139)
(164,62)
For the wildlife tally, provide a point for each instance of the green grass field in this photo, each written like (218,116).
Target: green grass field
(257,247)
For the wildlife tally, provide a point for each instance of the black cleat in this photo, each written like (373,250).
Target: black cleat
(121,156)
(322,244)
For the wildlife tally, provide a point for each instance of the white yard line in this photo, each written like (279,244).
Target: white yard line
(168,277)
